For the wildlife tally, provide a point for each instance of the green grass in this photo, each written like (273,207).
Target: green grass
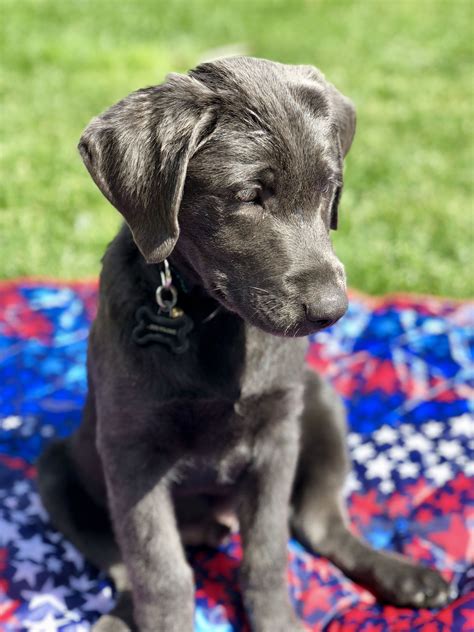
(407,212)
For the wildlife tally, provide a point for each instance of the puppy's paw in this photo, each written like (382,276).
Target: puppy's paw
(283,623)
(402,583)
(110,623)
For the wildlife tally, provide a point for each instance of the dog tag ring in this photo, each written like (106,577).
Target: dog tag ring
(166,297)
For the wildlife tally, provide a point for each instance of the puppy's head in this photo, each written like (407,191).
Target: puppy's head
(238,165)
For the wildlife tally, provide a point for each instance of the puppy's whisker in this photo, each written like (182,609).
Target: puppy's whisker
(260,289)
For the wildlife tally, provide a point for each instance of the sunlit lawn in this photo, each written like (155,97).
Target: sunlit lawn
(407,213)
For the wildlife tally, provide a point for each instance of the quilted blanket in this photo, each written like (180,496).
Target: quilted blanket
(404,368)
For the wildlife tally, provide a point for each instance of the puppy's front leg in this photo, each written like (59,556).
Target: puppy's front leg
(263,516)
(145,526)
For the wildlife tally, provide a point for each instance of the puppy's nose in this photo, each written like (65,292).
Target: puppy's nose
(325,312)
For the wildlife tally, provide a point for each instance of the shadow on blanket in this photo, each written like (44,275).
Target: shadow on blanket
(402,365)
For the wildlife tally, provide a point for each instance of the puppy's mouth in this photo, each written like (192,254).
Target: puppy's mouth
(270,313)
(292,329)
(222,297)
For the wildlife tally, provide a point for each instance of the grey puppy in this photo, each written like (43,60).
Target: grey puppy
(233,172)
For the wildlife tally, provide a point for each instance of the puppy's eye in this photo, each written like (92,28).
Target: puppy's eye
(250,196)
(334,209)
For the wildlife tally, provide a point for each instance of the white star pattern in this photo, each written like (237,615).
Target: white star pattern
(353,439)
(409,469)
(101,602)
(83,584)
(386,434)
(380,467)
(8,531)
(364,451)
(48,623)
(54,565)
(433,429)
(72,555)
(11,502)
(449,449)
(387,486)
(440,473)
(47,594)
(419,443)
(54,536)
(405,452)
(35,508)
(352,484)
(11,423)
(19,517)
(34,549)
(60,593)
(21,487)
(26,571)
(469,470)
(397,453)
(430,458)
(463,425)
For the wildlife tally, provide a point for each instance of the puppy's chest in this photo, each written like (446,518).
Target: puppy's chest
(215,476)
(216,446)
(221,440)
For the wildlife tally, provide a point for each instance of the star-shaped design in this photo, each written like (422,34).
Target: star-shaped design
(419,443)
(54,536)
(433,326)
(48,623)
(440,474)
(10,502)
(101,602)
(409,469)
(27,571)
(397,453)
(387,486)
(19,517)
(54,596)
(35,508)
(433,429)
(83,584)
(407,429)
(469,468)
(449,449)
(11,422)
(8,532)
(54,565)
(462,425)
(72,555)
(34,549)
(21,487)
(380,467)
(352,484)
(385,435)
(430,458)
(363,452)
(353,439)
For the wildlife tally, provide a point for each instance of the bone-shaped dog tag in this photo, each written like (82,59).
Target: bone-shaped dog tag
(170,329)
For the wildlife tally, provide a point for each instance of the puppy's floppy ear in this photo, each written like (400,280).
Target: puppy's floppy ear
(341,109)
(137,153)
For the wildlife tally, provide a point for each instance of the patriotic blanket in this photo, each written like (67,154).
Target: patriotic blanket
(404,367)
